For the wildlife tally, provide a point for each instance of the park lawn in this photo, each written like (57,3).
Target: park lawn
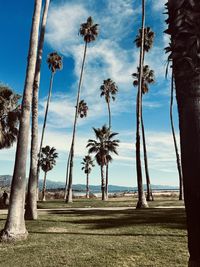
(112,202)
(94,238)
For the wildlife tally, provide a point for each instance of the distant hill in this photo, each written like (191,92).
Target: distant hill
(5,181)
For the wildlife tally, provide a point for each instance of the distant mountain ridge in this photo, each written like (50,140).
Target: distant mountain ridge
(5,181)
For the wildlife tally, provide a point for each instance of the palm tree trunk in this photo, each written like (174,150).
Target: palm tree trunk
(141,197)
(148,183)
(69,188)
(67,175)
(15,224)
(31,199)
(44,187)
(175,143)
(87,186)
(103,184)
(186,66)
(44,123)
(107,166)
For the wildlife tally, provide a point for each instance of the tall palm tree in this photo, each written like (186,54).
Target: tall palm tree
(103,147)
(89,31)
(148,39)
(54,62)
(178,160)
(148,78)
(10,111)
(82,110)
(108,89)
(47,162)
(87,167)
(142,203)
(31,199)
(15,224)
(184,26)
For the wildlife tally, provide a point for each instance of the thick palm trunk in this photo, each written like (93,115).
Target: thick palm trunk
(107,166)
(15,225)
(141,197)
(44,187)
(31,199)
(186,65)
(149,196)
(189,121)
(175,144)
(87,186)
(44,123)
(69,188)
(103,184)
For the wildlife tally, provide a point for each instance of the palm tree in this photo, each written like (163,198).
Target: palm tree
(185,46)
(10,112)
(102,149)
(82,109)
(47,162)
(54,62)
(87,167)
(31,199)
(15,224)
(89,31)
(148,39)
(108,90)
(82,112)
(148,78)
(142,203)
(178,160)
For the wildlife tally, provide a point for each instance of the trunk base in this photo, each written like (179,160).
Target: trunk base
(6,236)
(142,205)
(69,196)
(194,263)
(30,214)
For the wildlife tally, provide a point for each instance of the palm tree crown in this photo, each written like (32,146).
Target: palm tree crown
(108,89)
(148,78)
(48,158)
(82,109)
(148,38)
(103,146)
(89,30)
(87,164)
(10,112)
(54,61)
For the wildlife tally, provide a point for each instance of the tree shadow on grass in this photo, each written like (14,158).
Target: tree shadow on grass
(107,234)
(105,219)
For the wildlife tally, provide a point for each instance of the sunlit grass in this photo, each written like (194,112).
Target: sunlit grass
(74,238)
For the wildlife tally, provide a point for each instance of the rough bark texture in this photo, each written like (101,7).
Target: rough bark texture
(71,155)
(178,160)
(15,225)
(141,197)
(184,25)
(32,194)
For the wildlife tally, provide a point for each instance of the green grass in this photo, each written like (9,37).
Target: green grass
(112,202)
(94,238)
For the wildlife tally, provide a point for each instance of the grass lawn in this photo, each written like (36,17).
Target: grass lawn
(92,238)
(112,202)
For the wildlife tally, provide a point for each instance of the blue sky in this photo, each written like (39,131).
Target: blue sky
(113,55)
